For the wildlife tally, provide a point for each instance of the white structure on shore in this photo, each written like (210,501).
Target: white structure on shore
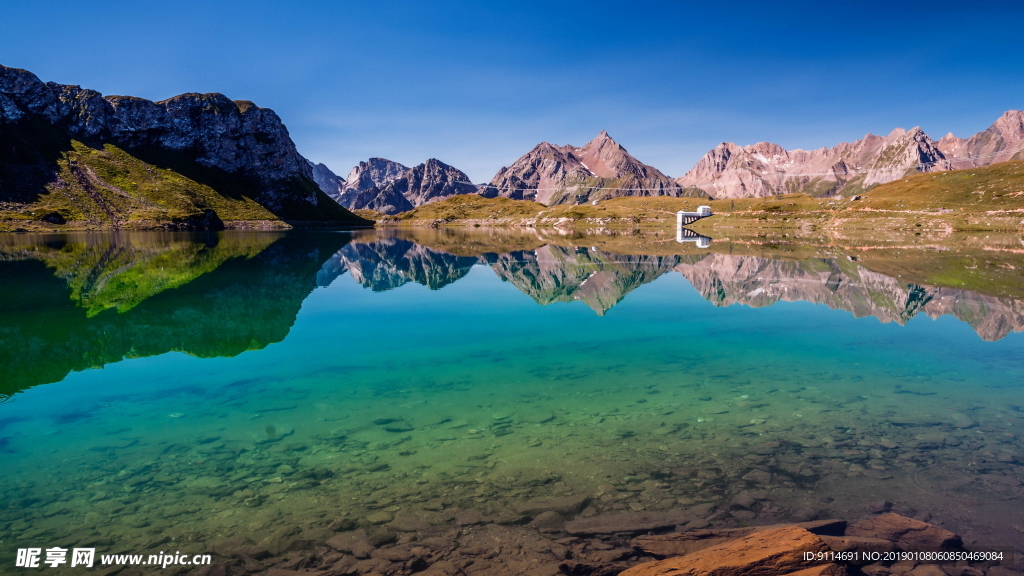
(683,217)
(685,235)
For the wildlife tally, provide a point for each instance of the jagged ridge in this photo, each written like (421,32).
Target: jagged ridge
(120,161)
(766,169)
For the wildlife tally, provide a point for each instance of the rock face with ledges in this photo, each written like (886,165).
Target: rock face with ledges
(234,136)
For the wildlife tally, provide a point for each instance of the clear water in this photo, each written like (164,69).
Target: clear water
(175,390)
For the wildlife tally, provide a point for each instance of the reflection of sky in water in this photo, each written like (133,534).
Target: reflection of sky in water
(664,379)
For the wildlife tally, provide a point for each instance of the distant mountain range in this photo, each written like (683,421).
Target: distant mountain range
(553,174)
(73,156)
(766,169)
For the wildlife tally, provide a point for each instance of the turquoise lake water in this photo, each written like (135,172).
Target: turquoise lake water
(184,388)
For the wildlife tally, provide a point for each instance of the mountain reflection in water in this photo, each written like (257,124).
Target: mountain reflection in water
(407,380)
(72,302)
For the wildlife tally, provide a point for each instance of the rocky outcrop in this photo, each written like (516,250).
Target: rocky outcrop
(766,553)
(232,147)
(905,533)
(538,174)
(552,174)
(428,182)
(331,184)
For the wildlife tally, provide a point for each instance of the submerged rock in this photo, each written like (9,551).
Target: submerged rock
(627,522)
(766,553)
(565,505)
(906,533)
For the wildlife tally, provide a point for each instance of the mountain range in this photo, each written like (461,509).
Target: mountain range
(766,169)
(69,155)
(553,174)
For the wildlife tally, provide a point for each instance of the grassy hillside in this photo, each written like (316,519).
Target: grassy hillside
(49,181)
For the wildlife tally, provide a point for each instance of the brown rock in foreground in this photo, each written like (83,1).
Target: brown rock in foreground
(766,553)
(690,541)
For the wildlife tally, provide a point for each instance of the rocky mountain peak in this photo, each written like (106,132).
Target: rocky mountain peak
(950,145)
(1011,124)
(375,173)
(600,169)
(606,158)
(601,140)
(389,187)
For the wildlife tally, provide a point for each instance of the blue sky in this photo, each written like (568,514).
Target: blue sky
(476,84)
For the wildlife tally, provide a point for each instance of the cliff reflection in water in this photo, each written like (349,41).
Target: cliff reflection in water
(81,301)
(72,302)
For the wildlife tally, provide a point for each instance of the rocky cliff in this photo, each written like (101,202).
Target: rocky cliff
(601,169)
(766,169)
(120,161)
(76,302)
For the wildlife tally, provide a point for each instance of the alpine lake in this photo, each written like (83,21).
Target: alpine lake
(252,395)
